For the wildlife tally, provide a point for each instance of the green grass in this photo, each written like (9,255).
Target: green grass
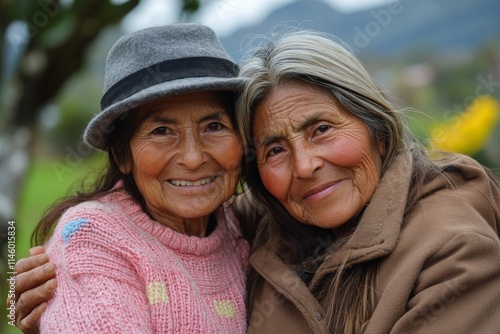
(44,185)
(48,179)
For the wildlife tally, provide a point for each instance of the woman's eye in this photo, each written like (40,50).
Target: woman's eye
(215,126)
(162,130)
(275,151)
(322,129)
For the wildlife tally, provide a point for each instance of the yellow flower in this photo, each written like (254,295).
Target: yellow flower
(470,130)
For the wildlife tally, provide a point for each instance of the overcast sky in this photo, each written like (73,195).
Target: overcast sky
(225,16)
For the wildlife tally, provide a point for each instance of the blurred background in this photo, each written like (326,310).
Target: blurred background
(440,60)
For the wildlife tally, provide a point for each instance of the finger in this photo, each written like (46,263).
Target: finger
(29,263)
(30,324)
(34,278)
(10,300)
(36,250)
(31,300)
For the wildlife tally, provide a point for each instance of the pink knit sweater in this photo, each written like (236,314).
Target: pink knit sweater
(120,272)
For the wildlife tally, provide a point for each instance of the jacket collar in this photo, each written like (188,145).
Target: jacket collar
(288,285)
(378,230)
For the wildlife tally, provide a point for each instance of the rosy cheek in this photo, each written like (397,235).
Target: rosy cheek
(346,152)
(234,156)
(149,159)
(274,181)
(228,154)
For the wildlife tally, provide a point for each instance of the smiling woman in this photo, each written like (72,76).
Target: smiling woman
(368,235)
(298,130)
(185,158)
(155,247)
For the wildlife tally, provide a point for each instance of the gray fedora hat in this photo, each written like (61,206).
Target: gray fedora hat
(158,62)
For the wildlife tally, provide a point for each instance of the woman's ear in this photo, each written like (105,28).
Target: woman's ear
(124,163)
(381,148)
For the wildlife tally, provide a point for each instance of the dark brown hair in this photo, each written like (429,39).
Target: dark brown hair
(119,148)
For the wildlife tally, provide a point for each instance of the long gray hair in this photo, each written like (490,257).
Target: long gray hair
(311,58)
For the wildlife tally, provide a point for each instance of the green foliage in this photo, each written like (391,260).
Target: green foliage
(190,6)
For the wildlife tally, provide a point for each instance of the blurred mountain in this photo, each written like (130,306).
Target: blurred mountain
(441,27)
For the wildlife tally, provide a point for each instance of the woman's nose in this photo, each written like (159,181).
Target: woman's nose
(192,152)
(305,161)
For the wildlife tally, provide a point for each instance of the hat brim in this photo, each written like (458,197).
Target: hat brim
(101,126)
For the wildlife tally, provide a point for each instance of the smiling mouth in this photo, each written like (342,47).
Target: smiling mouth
(313,193)
(186,183)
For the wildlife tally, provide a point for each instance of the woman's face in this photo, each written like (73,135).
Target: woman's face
(317,159)
(186,156)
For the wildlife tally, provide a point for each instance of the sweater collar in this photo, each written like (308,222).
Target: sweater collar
(172,239)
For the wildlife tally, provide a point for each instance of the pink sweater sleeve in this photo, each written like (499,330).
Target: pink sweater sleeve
(97,290)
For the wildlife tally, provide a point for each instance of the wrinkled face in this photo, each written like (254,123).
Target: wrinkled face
(317,159)
(186,155)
